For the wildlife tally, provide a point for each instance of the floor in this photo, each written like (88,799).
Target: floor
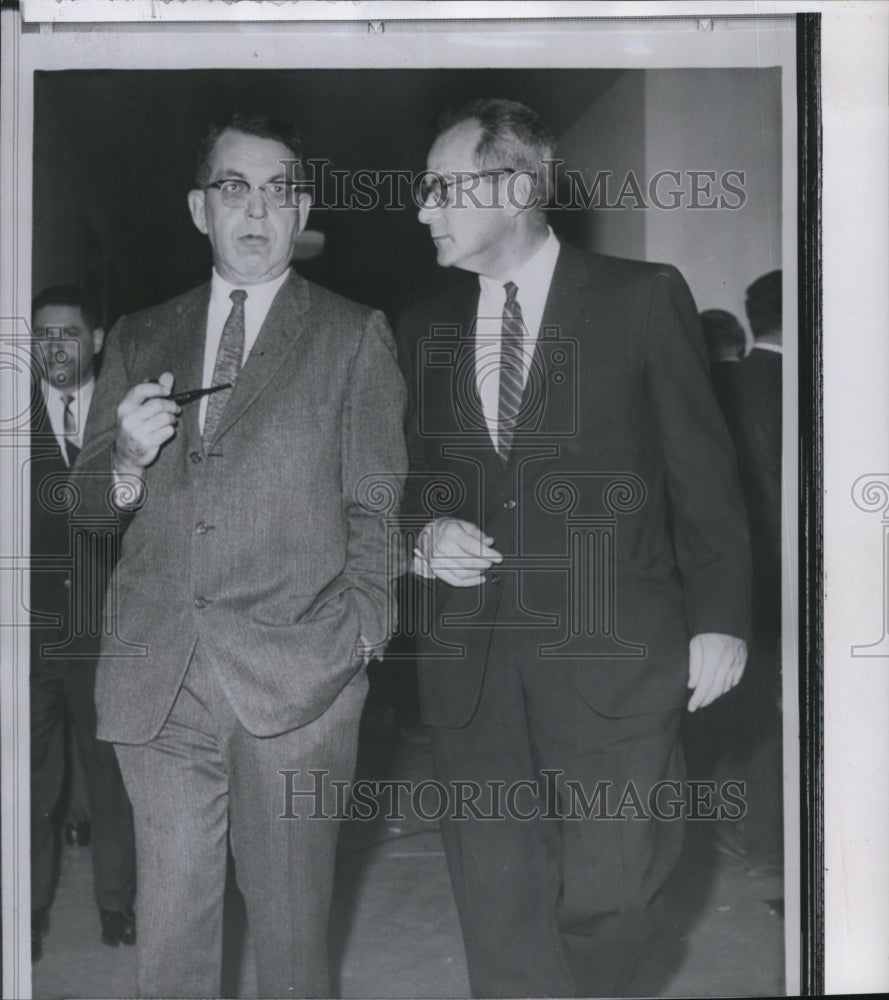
(394,928)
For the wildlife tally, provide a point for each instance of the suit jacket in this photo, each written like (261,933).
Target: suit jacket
(264,547)
(758,438)
(619,513)
(66,587)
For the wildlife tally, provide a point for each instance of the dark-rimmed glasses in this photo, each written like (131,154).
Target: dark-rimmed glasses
(234,192)
(438,188)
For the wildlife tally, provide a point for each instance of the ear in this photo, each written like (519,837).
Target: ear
(98,339)
(303,204)
(521,192)
(198,209)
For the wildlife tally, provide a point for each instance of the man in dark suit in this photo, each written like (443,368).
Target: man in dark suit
(253,577)
(753,730)
(759,407)
(580,535)
(726,346)
(64,616)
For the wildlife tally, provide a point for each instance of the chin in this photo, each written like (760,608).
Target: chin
(444,258)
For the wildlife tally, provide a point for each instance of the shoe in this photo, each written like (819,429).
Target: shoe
(78,834)
(39,927)
(118,927)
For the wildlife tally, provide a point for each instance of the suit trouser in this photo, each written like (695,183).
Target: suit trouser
(205,775)
(549,906)
(68,686)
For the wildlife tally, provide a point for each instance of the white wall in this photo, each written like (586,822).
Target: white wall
(689,121)
(610,137)
(701,120)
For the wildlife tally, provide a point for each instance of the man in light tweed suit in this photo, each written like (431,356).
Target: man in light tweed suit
(252,581)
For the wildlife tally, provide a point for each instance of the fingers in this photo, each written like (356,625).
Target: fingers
(143,391)
(716,665)
(695,663)
(458,552)
(146,419)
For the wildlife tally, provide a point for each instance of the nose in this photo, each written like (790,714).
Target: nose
(256,204)
(427,210)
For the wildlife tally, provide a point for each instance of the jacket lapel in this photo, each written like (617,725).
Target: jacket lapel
(183,353)
(549,399)
(465,399)
(43,438)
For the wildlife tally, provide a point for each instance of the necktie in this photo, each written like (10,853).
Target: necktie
(228,362)
(512,334)
(69,429)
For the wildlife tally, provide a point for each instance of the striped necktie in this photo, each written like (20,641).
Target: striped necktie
(229,358)
(512,334)
(69,429)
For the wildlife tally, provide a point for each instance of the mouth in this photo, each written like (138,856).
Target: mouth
(253,241)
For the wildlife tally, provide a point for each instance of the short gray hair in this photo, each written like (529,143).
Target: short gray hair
(512,135)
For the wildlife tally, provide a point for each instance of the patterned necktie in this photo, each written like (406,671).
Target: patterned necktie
(512,334)
(228,362)
(69,429)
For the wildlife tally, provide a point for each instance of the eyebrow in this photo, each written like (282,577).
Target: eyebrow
(226,175)
(56,329)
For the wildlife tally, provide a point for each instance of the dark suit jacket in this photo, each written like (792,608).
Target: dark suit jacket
(619,514)
(60,583)
(758,436)
(265,547)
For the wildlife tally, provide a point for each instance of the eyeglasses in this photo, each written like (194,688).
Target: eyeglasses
(438,188)
(234,192)
(56,332)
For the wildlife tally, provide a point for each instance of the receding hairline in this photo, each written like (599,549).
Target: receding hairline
(253,126)
(67,297)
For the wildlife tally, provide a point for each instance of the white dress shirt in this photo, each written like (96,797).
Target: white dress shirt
(764,345)
(256,308)
(80,407)
(532,280)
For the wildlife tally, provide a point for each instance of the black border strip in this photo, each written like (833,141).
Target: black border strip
(811,670)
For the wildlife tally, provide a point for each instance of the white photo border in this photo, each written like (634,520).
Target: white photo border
(360,39)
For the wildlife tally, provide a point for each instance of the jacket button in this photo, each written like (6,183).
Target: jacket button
(509,504)
(495,578)
(201,528)
(200,603)
(195,457)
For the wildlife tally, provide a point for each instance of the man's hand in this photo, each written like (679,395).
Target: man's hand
(146,418)
(455,551)
(715,665)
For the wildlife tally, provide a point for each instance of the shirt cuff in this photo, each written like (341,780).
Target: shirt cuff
(127,491)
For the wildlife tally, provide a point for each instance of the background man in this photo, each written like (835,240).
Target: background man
(248,571)
(754,725)
(66,610)
(554,387)
(726,346)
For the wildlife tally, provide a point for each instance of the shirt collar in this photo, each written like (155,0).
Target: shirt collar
(763,345)
(263,292)
(83,392)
